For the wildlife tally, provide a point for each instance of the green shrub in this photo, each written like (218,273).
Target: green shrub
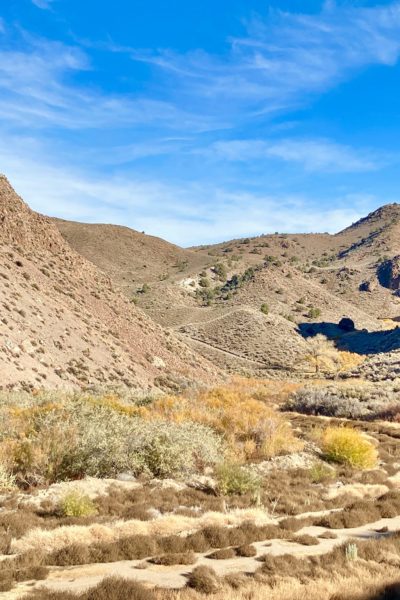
(220,271)
(204,282)
(145,289)
(314,313)
(264,308)
(320,472)
(76,504)
(349,447)
(233,479)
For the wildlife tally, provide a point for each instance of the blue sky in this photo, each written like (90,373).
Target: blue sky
(202,121)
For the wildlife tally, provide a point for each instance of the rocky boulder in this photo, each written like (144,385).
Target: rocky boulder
(346,324)
(389,273)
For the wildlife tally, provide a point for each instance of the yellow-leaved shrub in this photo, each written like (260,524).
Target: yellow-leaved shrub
(348,446)
(250,427)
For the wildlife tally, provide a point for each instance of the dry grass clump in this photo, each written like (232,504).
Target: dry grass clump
(223,554)
(321,473)
(10,576)
(306,540)
(348,446)
(327,535)
(386,549)
(177,558)
(74,554)
(198,542)
(287,565)
(5,542)
(252,533)
(7,480)
(294,524)
(204,579)
(136,546)
(135,503)
(166,525)
(363,512)
(247,550)
(236,580)
(111,588)
(144,546)
(292,492)
(16,523)
(359,582)
(389,504)
(217,536)
(6,581)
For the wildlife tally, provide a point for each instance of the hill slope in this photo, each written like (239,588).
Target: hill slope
(129,257)
(214,297)
(63,323)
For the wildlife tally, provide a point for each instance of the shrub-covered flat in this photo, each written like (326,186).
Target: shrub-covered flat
(192,491)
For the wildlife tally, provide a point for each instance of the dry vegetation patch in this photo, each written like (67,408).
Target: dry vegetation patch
(250,427)
(364,400)
(348,446)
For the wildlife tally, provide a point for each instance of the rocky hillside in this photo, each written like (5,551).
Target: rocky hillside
(64,325)
(243,303)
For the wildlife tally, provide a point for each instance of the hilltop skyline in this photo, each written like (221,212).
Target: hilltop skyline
(200,124)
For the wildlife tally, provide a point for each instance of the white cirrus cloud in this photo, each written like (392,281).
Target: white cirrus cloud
(283,58)
(312,154)
(37,90)
(43,4)
(186,213)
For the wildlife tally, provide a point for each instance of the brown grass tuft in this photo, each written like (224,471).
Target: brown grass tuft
(223,554)
(204,579)
(178,558)
(306,540)
(246,550)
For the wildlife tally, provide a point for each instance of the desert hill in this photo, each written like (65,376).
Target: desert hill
(130,258)
(242,303)
(63,323)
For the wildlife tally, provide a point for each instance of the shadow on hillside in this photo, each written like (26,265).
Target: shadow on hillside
(388,592)
(359,341)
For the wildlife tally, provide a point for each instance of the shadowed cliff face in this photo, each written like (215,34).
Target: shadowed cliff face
(389,273)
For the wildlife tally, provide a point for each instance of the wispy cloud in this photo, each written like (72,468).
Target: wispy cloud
(285,57)
(86,138)
(186,213)
(312,154)
(38,90)
(43,4)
